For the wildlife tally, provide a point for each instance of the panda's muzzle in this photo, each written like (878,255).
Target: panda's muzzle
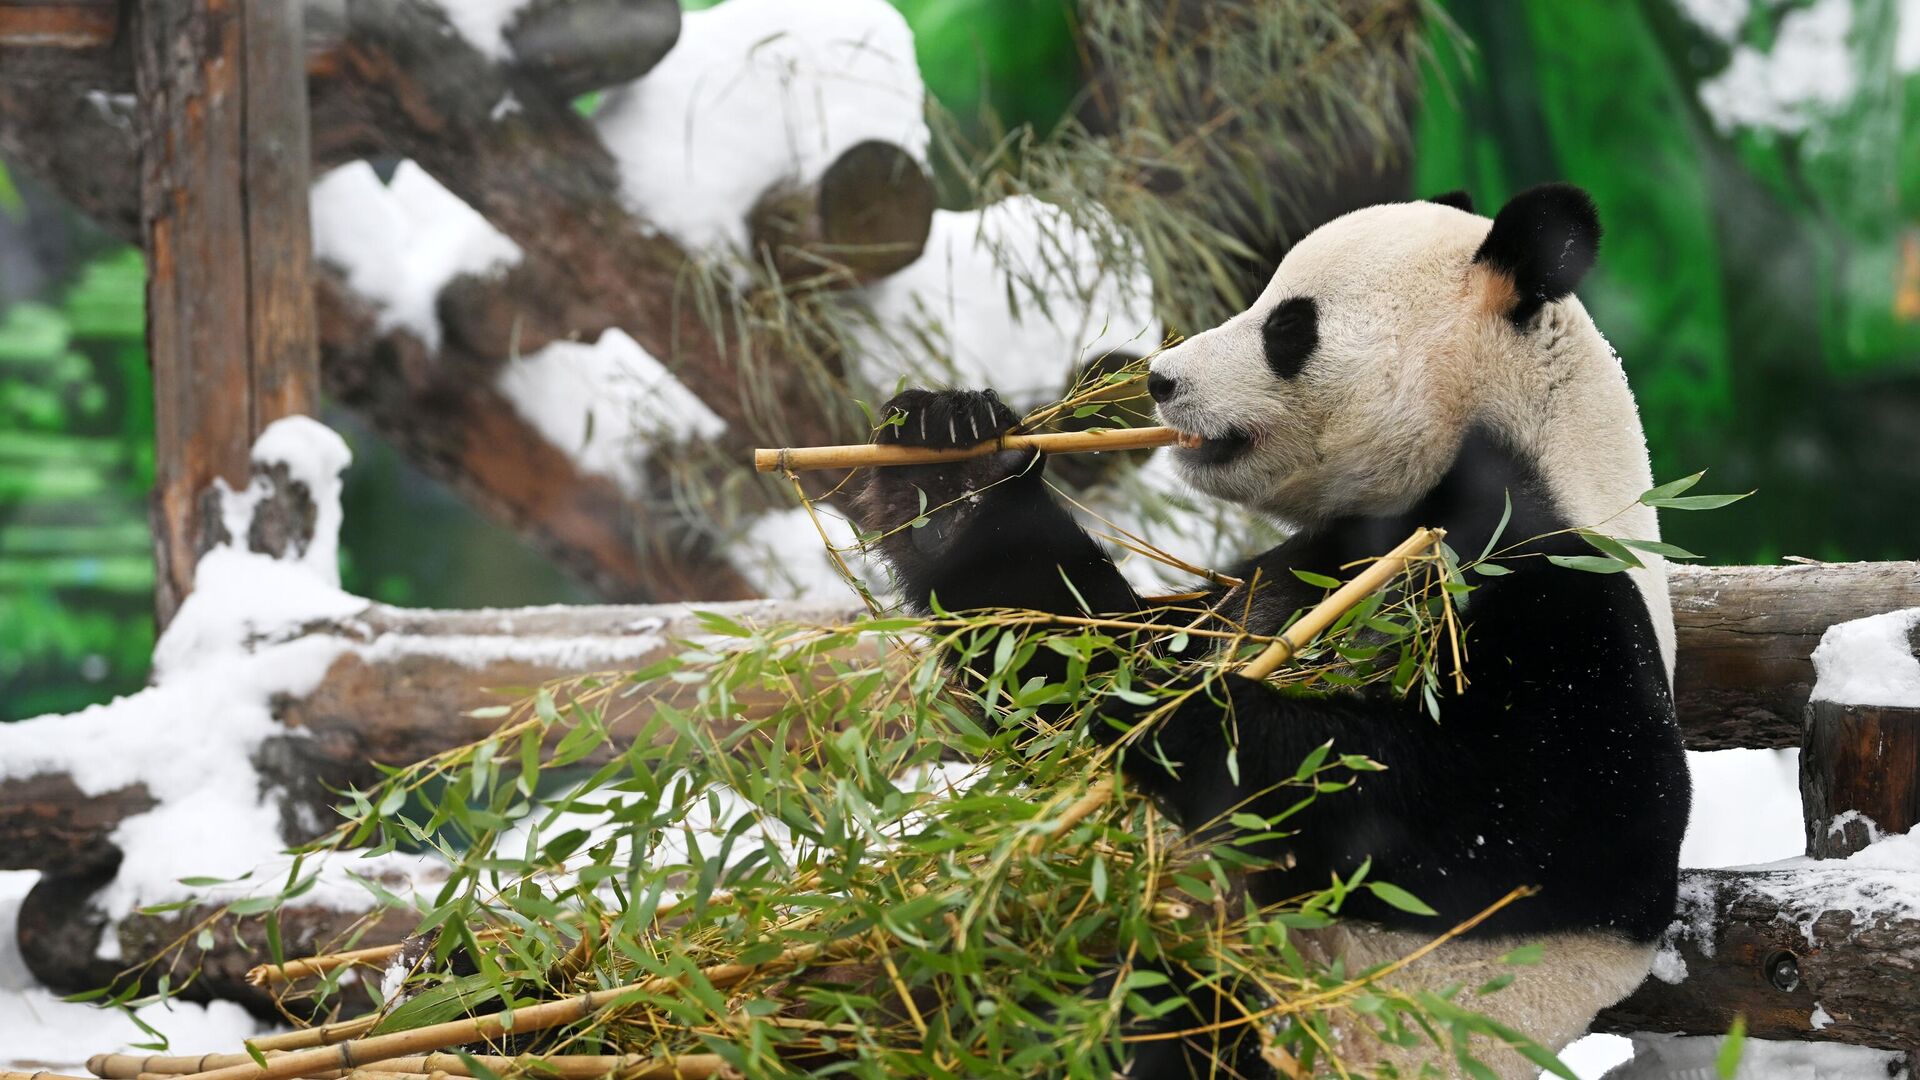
(1214,450)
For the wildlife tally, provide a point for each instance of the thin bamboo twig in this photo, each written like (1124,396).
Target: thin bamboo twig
(358,1053)
(1282,649)
(306,967)
(325,1035)
(804,458)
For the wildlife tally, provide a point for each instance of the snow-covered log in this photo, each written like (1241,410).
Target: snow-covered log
(1821,951)
(1860,763)
(401,681)
(869,213)
(1747,635)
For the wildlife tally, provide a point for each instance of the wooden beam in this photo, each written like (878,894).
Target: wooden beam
(1747,635)
(1826,954)
(1858,761)
(53,24)
(224,178)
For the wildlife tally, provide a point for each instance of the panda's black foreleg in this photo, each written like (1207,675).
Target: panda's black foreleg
(1235,744)
(981,533)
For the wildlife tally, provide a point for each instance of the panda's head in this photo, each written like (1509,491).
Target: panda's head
(1347,385)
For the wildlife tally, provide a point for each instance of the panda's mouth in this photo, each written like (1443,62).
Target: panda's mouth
(1214,449)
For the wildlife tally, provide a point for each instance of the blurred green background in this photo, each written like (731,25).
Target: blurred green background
(1758,175)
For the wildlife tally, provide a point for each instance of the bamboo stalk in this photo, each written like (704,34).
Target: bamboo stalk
(9,1075)
(272,974)
(358,1053)
(1324,614)
(803,458)
(325,1035)
(557,1066)
(1283,648)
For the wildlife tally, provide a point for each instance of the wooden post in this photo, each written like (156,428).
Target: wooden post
(1859,772)
(230,324)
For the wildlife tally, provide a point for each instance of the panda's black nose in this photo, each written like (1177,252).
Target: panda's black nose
(1160,386)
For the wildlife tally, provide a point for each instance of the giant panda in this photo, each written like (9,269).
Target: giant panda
(1409,364)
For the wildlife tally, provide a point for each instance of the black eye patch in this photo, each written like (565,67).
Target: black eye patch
(1292,331)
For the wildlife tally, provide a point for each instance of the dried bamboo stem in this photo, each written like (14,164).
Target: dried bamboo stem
(358,1053)
(325,1035)
(1323,614)
(803,458)
(1283,648)
(7,1075)
(273,974)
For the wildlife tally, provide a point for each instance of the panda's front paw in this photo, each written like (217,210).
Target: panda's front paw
(944,419)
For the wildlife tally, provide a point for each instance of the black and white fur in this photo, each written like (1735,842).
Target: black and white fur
(1408,365)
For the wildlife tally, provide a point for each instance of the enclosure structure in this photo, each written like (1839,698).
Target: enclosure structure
(209,171)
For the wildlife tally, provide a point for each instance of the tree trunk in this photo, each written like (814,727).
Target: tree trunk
(222,107)
(1816,954)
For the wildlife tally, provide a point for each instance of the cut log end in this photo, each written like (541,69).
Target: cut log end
(868,215)
(575,47)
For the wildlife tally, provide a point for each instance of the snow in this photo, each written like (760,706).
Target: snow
(1810,71)
(400,243)
(1869,661)
(481,22)
(757,92)
(781,555)
(1014,296)
(43,1032)
(1746,808)
(1155,504)
(233,647)
(1906,42)
(314,456)
(1720,18)
(1680,1057)
(605,404)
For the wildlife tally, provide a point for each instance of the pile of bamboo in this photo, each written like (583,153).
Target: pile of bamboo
(352,1048)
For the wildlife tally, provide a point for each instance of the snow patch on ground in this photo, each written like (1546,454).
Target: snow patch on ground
(1681,1057)
(1746,808)
(1810,71)
(1014,296)
(43,1032)
(1869,661)
(605,404)
(782,555)
(757,92)
(400,243)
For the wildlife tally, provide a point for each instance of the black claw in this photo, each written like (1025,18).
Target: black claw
(944,419)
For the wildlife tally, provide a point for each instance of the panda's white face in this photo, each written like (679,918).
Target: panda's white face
(1333,393)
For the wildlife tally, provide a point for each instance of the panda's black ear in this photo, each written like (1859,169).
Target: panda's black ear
(1459,200)
(1543,241)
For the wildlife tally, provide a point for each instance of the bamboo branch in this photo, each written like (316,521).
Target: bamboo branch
(359,1053)
(1384,569)
(804,458)
(556,1066)
(1283,648)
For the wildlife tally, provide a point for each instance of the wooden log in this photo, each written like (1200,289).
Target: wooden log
(1860,757)
(1747,635)
(224,218)
(866,217)
(1859,775)
(58,24)
(398,691)
(1818,953)
(445,414)
(574,47)
(50,825)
